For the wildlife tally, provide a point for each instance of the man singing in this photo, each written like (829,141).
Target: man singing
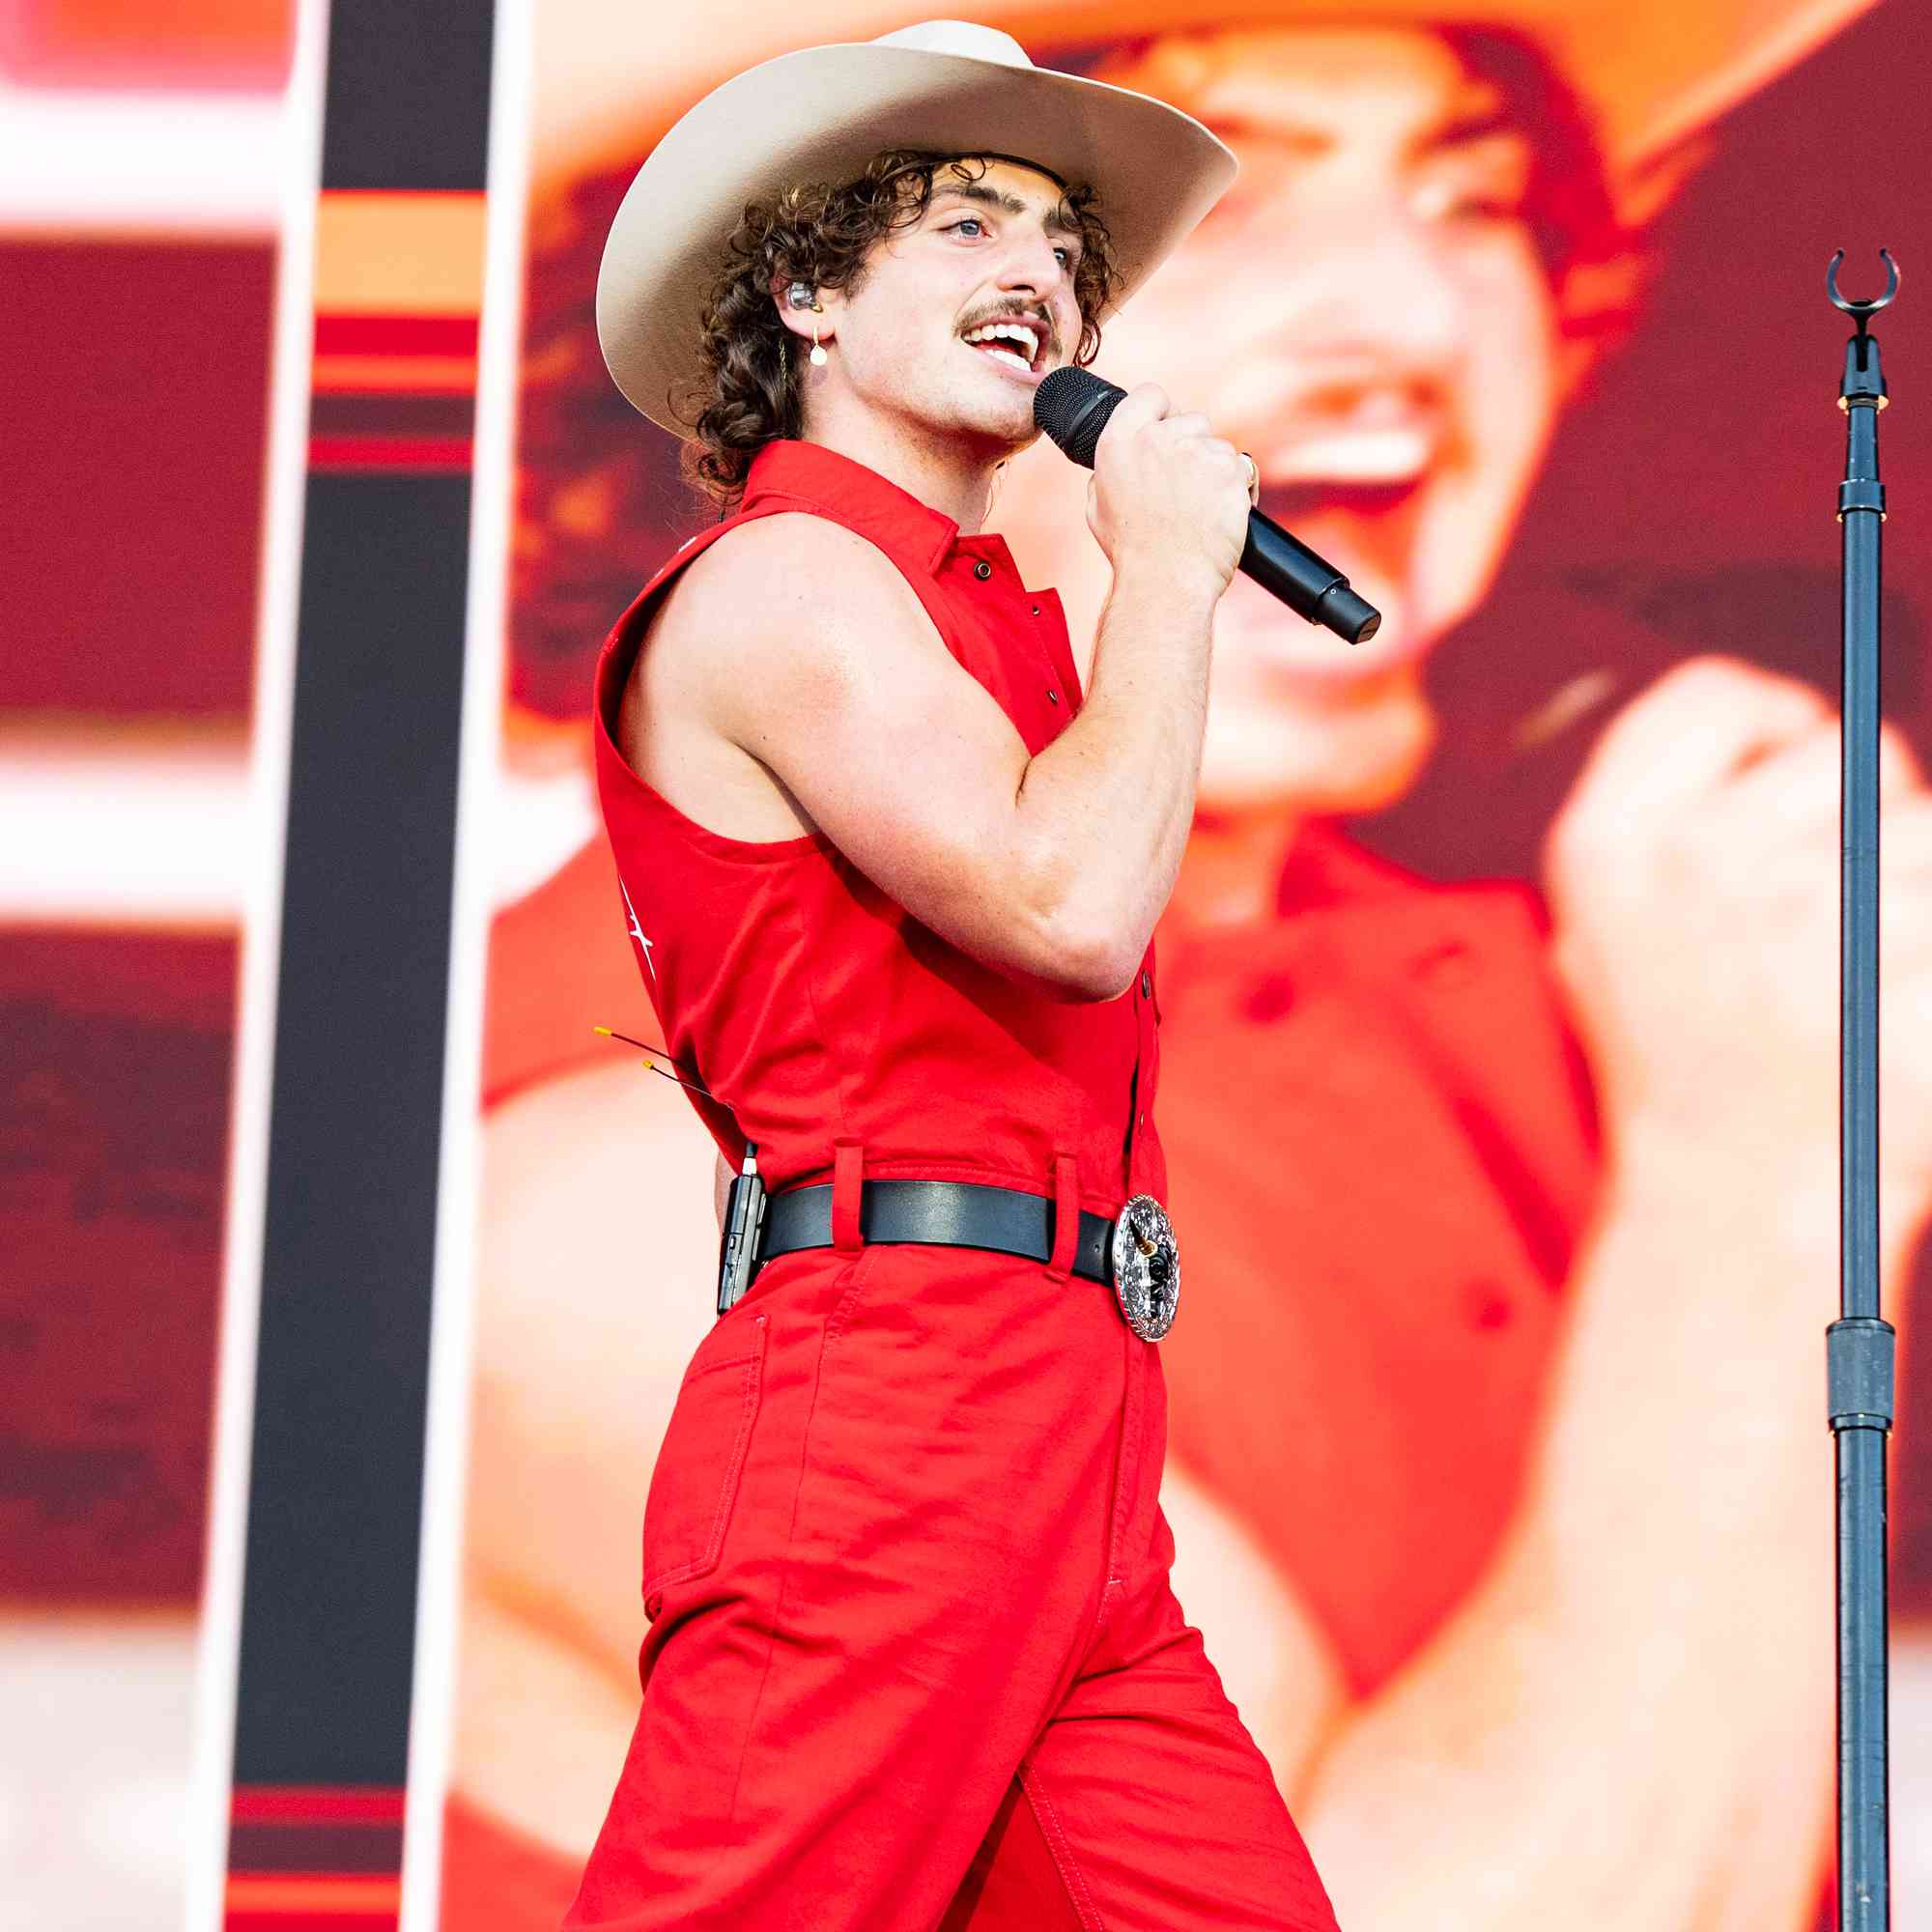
(914,1658)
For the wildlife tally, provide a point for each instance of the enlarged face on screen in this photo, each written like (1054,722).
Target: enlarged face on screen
(1367,311)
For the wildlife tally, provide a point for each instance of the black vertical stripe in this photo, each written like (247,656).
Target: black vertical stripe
(329,1606)
(409,92)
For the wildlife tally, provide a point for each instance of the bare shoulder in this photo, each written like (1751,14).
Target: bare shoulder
(793,596)
(779,630)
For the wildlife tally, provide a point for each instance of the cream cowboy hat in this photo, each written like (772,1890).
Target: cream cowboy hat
(1652,74)
(946,86)
(609,75)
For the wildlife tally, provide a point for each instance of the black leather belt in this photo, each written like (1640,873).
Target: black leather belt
(944,1214)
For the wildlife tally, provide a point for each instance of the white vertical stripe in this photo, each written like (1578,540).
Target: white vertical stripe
(284,477)
(445,1456)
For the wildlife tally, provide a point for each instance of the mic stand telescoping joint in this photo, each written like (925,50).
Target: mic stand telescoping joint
(1858,1345)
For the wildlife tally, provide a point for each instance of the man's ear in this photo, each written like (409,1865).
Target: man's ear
(807,322)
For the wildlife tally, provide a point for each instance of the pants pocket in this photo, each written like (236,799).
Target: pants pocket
(695,1485)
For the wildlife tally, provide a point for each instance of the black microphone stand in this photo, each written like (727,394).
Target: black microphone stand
(1858,1345)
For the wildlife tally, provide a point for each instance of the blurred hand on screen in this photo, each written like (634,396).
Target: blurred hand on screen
(1693,877)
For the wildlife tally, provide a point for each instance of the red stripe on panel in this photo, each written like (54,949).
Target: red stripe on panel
(398,284)
(311,1902)
(348,334)
(315,1804)
(388,452)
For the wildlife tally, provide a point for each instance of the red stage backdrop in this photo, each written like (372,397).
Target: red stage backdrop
(1499,1028)
(1521,307)
(138,273)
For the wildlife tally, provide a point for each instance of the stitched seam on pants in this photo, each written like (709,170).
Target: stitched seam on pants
(855,1268)
(1133,1463)
(1051,1829)
(1110,1576)
(727,1494)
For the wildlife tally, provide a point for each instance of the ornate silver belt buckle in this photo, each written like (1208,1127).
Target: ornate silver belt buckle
(1146,1267)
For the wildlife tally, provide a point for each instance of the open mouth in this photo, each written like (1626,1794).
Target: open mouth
(1020,346)
(1290,502)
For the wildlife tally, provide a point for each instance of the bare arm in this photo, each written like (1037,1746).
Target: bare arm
(1626,1726)
(567,1419)
(826,669)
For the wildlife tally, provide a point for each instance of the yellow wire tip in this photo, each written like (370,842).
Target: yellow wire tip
(605,1030)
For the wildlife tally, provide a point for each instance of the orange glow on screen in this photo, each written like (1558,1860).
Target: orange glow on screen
(161,44)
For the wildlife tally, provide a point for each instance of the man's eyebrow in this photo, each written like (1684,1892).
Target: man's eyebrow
(1477,111)
(1472,119)
(1056,221)
(1235,126)
(1472,123)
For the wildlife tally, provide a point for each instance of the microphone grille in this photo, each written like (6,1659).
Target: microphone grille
(1071,406)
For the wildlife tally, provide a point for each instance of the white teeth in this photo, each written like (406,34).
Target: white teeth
(1352,456)
(1006,331)
(1019,362)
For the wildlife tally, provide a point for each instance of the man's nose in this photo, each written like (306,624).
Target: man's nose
(1379,288)
(1031,266)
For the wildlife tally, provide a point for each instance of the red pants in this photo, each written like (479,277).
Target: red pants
(913,1661)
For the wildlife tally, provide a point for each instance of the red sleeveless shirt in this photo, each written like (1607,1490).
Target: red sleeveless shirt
(810,1007)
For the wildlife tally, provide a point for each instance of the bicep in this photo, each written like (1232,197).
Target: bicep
(848,695)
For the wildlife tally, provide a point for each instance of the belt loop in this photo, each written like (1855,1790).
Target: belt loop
(1066,1216)
(848,1163)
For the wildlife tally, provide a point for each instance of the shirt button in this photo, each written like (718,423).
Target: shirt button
(982,569)
(1449,964)
(1053,697)
(1487,1304)
(1147,987)
(1036,610)
(1270,998)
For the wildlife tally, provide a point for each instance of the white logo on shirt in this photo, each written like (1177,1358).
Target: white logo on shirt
(637,932)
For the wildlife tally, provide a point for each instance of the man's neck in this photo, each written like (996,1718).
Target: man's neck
(1231,872)
(948,475)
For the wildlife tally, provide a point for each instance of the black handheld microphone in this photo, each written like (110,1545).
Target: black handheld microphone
(1072,407)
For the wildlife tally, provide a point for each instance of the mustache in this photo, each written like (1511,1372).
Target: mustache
(1018,312)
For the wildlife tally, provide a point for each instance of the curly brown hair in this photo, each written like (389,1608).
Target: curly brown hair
(599,505)
(824,234)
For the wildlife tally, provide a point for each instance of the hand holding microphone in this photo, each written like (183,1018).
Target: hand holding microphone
(1073,406)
